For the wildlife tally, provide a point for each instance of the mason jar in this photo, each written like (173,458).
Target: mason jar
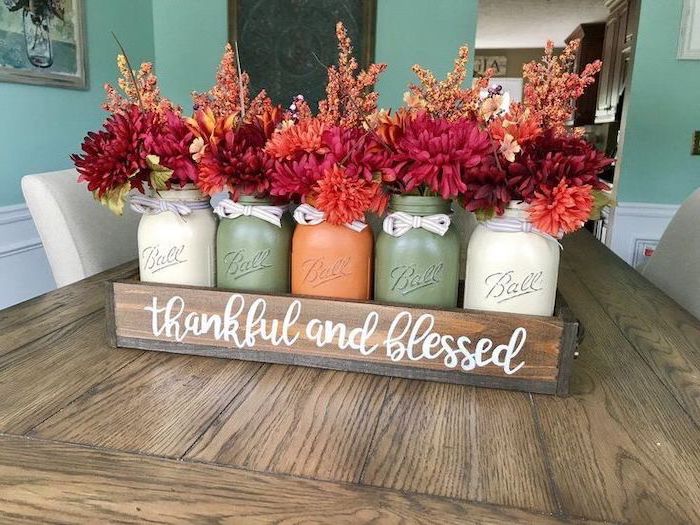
(252,253)
(511,271)
(332,261)
(419,267)
(178,249)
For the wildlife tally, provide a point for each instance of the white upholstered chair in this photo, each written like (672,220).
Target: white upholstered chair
(80,236)
(675,264)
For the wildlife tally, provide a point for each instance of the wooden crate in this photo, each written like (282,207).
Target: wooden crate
(497,350)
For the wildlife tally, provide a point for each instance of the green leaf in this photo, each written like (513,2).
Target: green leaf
(115,198)
(484,214)
(160,175)
(601,199)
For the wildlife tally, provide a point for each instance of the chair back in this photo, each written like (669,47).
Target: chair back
(81,237)
(675,264)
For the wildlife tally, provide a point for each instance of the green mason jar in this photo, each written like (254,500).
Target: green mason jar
(253,254)
(418,266)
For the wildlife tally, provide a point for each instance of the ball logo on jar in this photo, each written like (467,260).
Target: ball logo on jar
(239,263)
(156,258)
(319,270)
(406,279)
(504,286)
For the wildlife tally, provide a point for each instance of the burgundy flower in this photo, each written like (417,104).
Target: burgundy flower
(440,154)
(487,190)
(117,154)
(238,163)
(172,145)
(359,152)
(550,158)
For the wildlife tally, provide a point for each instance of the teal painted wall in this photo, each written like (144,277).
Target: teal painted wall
(189,38)
(185,38)
(423,32)
(41,126)
(663,111)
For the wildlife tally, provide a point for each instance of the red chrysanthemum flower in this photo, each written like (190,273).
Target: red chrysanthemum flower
(487,191)
(116,154)
(562,209)
(303,137)
(440,154)
(237,163)
(171,144)
(360,153)
(344,198)
(295,179)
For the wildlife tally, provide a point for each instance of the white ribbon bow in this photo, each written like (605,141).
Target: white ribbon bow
(308,215)
(228,209)
(398,223)
(513,225)
(153,205)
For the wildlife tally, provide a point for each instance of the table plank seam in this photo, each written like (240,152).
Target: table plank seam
(497,509)
(546,460)
(74,321)
(559,515)
(643,357)
(258,371)
(82,394)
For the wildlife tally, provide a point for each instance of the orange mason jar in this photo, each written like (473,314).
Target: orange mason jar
(332,261)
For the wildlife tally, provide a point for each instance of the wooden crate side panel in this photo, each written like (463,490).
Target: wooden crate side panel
(540,350)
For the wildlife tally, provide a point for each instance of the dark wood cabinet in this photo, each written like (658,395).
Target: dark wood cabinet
(618,48)
(591,49)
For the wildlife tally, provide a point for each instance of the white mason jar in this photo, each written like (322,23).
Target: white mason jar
(177,247)
(511,271)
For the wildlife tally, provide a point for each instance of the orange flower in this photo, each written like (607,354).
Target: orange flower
(304,136)
(518,123)
(562,209)
(344,199)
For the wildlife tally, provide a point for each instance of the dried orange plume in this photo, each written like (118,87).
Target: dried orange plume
(230,91)
(552,88)
(349,96)
(136,88)
(447,98)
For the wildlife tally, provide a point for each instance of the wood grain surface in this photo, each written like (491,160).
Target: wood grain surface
(300,421)
(42,315)
(93,434)
(440,439)
(59,483)
(157,404)
(627,451)
(662,333)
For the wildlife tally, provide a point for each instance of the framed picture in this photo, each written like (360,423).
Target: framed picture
(288,61)
(689,39)
(43,42)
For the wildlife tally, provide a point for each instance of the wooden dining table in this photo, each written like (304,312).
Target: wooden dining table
(94,434)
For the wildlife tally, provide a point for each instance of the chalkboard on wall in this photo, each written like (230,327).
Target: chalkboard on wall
(284,44)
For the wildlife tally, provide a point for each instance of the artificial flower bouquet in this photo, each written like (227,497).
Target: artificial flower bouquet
(332,164)
(144,148)
(528,178)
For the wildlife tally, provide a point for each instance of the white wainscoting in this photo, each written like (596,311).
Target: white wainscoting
(634,226)
(24,269)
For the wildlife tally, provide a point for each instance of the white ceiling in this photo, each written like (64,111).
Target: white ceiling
(529,23)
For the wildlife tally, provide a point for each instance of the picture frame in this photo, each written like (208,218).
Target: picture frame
(259,26)
(689,35)
(43,43)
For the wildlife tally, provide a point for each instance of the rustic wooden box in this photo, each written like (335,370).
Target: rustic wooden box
(517,352)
